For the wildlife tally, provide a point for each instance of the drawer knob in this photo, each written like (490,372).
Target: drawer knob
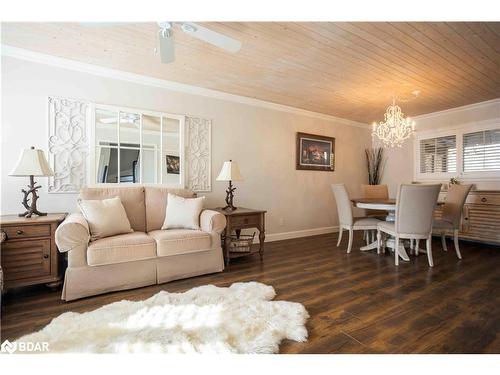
(246,220)
(45,256)
(483,199)
(19,231)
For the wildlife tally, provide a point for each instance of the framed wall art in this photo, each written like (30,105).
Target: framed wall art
(315,152)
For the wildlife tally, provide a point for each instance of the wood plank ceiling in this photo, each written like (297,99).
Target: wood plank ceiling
(349,70)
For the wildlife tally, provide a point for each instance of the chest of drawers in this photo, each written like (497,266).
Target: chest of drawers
(28,251)
(480,216)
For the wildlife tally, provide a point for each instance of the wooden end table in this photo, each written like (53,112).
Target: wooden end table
(242,218)
(29,253)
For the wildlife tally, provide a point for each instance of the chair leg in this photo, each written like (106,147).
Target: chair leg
(367,237)
(455,239)
(443,241)
(349,246)
(417,244)
(396,248)
(379,238)
(340,236)
(429,251)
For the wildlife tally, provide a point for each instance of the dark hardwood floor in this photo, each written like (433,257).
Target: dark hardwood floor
(358,302)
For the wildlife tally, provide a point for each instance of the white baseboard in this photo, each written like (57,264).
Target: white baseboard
(298,233)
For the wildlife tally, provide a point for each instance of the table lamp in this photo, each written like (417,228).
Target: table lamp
(32,162)
(230,172)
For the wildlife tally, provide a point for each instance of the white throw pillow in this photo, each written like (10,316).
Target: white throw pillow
(106,217)
(183,212)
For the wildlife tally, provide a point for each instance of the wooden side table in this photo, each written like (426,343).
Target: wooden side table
(29,254)
(242,218)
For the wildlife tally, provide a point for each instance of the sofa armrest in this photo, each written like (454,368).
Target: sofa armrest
(212,221)
(73,236)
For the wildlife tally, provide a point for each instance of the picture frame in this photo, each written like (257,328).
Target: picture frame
(315,152)
(173,164)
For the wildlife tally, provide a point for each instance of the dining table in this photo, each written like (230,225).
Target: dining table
(389,205)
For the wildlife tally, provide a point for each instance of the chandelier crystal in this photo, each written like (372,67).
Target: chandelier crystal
(395,128)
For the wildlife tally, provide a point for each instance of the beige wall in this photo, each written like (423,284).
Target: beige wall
(261,140)
(399,166)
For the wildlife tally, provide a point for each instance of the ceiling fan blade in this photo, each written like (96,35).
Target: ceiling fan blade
(112,120)
(103,24)
(212,37)
(167,49)
(109,120)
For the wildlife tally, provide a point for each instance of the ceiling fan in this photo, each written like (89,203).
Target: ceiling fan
(166,36)
(127,118)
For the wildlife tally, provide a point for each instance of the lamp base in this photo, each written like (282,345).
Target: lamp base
(229,197)
(31,207)
(30,213)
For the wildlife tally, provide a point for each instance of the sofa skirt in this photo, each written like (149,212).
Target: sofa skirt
(80,282)
(175,267)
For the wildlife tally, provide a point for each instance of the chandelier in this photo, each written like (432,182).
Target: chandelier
(395,128)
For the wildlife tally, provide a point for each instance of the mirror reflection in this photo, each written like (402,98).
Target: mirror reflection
(135,147)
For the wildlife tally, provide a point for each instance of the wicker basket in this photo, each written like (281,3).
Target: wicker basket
(241,244)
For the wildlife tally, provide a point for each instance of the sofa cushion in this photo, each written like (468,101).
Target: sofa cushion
(183,213)
(121,248)
(156,204)
(180,241)
(132,199)
(105,217)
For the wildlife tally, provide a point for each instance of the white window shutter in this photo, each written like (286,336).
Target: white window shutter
(438,155)
(481,151)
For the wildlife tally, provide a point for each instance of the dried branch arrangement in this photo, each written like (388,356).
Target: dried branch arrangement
(375,162)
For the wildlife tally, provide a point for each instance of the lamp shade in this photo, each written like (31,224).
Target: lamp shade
(230,172)
(32,162)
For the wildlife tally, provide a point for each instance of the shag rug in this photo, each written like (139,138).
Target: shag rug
(207,319)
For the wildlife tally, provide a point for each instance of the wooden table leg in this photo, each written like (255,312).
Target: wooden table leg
(227,240)
(54,285)
(262,237)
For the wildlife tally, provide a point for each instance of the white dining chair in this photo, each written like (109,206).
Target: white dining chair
(452,213)
(375,191)
(413,220)
(346,219)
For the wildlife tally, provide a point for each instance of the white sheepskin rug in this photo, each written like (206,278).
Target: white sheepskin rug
(239,319)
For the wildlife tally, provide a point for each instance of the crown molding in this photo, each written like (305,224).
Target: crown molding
(458,109)
(28,55)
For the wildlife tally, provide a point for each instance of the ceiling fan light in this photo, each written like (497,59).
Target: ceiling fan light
(188,28)
(165,25)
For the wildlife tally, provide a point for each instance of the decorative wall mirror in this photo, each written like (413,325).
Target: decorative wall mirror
(136,146)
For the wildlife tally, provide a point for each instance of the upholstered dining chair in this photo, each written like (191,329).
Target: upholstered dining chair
(375,191)
(414,207)
(452,213)
(346,219)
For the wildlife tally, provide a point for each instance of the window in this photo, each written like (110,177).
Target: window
(438,155)
(470,152)
(481,151)
(137,146)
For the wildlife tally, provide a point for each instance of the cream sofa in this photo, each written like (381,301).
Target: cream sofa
(147,256)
